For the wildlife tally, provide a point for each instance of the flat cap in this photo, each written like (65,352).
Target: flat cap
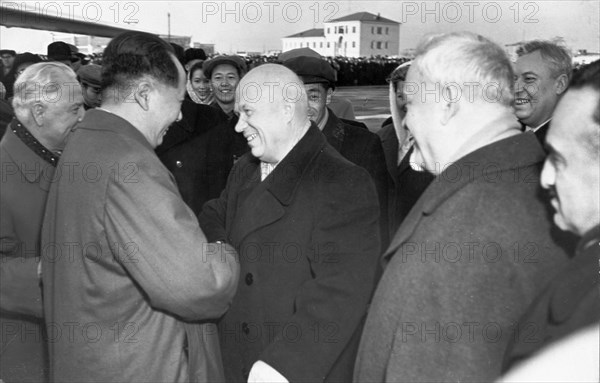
(8,51)
(90,74)
(287,55)
(236,61)
(311,69)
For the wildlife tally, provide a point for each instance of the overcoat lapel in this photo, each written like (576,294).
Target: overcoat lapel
(261,203)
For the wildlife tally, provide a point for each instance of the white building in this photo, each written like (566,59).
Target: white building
(360,34)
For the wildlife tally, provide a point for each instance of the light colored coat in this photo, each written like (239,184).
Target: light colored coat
(126,265)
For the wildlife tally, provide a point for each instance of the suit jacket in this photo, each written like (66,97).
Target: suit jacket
(570,302)
(126,263)
(308,241)
(463,267)
(363,148)
(24,184)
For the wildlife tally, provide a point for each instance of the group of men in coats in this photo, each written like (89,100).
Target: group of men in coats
(272,280)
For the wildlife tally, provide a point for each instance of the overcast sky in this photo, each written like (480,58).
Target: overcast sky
(259,25)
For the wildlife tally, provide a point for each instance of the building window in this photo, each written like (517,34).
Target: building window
(379,45)
(378,30)
(314,44)
(321,44)
(328,44)
(371,44)
(334,29)
(353,29)
(372,30)
(387,30)
(327,30)
(354,44)
(386,45)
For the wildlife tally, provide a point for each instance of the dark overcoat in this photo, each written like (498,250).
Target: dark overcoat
(308,241)
(570,302)
(464,266)
(25,179)
(363,148)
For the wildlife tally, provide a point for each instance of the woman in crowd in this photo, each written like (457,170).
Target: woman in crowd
(198,86)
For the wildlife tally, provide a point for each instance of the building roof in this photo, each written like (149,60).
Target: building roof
(364,16)
(316,32)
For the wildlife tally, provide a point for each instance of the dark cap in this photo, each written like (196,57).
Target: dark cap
(60,51)
(90,74)
(25,58)
(288,55)
(194,54)
(8,51)
(236,61)
(311,70)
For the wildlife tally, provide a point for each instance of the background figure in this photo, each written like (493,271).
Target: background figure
(7,75)
(407,180)
(352,139)
(542,70)
(140,265)
(304,221)
(476,248)
(198,86)
(47,104)
(192,56)
(571,301)
(90,78)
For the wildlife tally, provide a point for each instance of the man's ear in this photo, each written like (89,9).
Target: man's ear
(37,111)
(141,95)
(289,111)
(449,103)
(561,83)
(329,95)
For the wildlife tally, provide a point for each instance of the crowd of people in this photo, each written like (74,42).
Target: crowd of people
(173,217)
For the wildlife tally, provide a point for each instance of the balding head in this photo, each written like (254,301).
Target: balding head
(273,111)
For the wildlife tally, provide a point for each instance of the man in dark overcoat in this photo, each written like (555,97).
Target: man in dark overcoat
(351,138)
(305,223)
(571,301)
(476,248)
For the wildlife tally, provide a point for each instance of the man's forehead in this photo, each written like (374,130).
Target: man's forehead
(532,62)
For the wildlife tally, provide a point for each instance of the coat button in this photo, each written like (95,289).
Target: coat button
(178,164)
(245,328)
(249,279)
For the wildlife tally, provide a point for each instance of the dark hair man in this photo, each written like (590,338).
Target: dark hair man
(138,265)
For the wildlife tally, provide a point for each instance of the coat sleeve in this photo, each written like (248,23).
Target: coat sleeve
(167,252)
(329,307)
(20,290)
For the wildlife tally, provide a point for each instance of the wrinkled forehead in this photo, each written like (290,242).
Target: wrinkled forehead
(532,62)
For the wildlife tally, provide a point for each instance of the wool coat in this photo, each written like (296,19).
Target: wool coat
(363,148)
(24,183)
(463,267)
(308,240)
(570,302)
(127,271)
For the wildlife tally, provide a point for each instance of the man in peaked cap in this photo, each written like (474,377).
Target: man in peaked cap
(356,143)
(90,78)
